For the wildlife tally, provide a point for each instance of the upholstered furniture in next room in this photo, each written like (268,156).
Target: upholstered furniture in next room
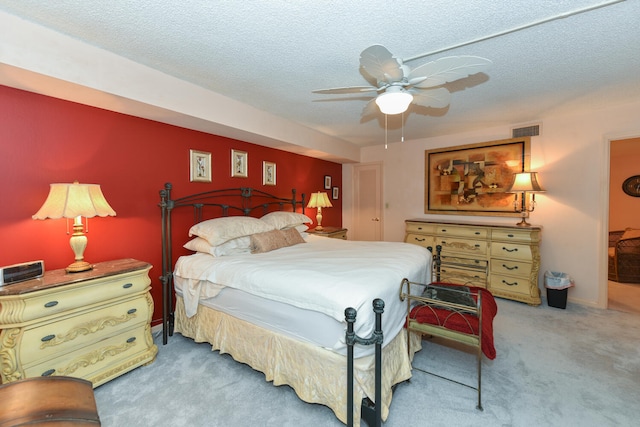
(624,255)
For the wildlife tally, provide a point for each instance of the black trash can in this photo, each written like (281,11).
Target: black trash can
(557,285)
(557,297)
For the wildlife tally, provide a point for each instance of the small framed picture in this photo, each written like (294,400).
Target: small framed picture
(268,173)
(335,193)
(239,163)
(200,166)
(327,182)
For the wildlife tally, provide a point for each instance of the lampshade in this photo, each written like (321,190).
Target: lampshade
(319,200)
(394,101)
(75,201)
(72,200)
(526,181)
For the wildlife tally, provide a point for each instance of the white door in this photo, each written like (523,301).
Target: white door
(367,202)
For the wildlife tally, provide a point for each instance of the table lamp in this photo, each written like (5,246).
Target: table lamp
(319,200)
(75,201)
(525,182)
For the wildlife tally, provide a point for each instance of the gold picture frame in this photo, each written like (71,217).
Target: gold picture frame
(473,179)
(200,166)
(268,173)
(239,164)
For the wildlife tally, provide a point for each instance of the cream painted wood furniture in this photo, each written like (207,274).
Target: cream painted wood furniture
(332,232)
(505,259)
(94,325)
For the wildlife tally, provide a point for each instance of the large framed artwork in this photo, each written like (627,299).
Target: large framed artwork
(473,179)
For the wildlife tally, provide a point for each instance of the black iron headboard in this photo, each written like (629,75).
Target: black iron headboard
(251,201)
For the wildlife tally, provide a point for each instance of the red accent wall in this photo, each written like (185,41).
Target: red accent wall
(45,140)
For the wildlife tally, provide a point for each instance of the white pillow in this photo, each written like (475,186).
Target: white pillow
(238,246)
(301,228)
(280,220)
(198,244)
(219,230)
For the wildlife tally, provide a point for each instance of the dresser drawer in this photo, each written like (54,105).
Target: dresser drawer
(509,284)
(87,361)
(40,304)
(62,336)
(509,267)
(419,227)
(463,276)
(511,251)
(459,231)
(463,246)
(474,263)
(526,236)
(420,239)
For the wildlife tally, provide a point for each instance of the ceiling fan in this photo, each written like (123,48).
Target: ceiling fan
(398,85)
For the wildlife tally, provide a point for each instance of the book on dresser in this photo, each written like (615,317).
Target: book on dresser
(505,259)
(94,325)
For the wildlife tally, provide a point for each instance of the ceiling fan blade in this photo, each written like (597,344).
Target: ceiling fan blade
(435,98)
(348,89)
(447,69)
(379,63)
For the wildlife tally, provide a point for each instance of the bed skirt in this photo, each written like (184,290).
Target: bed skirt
(317,375)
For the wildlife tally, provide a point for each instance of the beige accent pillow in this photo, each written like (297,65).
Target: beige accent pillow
(630,233)
(267,241)
(280,219)
(219,230)
(292,236)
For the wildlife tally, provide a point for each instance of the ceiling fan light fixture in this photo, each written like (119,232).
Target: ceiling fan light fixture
(394,101)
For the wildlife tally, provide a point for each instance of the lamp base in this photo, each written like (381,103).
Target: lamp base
(79,266)
(318,227)
(523,223)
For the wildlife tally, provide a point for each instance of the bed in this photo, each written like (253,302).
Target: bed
(282,310)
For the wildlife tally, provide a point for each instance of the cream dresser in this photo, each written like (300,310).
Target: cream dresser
(502,258)
(93,325)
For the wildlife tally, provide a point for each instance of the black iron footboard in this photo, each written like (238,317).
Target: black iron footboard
(372,415)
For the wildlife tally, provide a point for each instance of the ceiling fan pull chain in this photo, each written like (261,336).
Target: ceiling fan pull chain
(385,131)
(402,137)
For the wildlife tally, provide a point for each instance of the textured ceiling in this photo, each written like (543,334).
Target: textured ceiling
(272,54)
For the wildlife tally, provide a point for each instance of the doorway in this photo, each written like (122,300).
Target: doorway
(367,202)
(624,212)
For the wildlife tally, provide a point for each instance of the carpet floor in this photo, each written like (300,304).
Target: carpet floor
(554,367)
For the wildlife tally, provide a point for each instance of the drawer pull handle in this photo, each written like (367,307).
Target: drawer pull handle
(51,304)
(47,338)
(477,246)
(444,230)
(510,250)
(510,268)
(133,310)
(510,284)
(48,373)
(510,235)
(420,240)
(127,285)
(477,233)
(419,228)
(130,340)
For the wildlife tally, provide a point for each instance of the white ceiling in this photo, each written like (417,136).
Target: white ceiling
(272,54)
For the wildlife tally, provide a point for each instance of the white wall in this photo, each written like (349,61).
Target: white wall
(572,158)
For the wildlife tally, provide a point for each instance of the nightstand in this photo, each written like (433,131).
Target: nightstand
(332,232)
(94,325)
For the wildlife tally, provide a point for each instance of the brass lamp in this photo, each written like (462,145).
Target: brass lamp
(319,200)
(75,201)
(525,182)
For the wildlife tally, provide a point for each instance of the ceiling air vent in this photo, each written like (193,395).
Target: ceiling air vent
(533,130)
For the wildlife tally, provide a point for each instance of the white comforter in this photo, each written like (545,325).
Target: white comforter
(323,274)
